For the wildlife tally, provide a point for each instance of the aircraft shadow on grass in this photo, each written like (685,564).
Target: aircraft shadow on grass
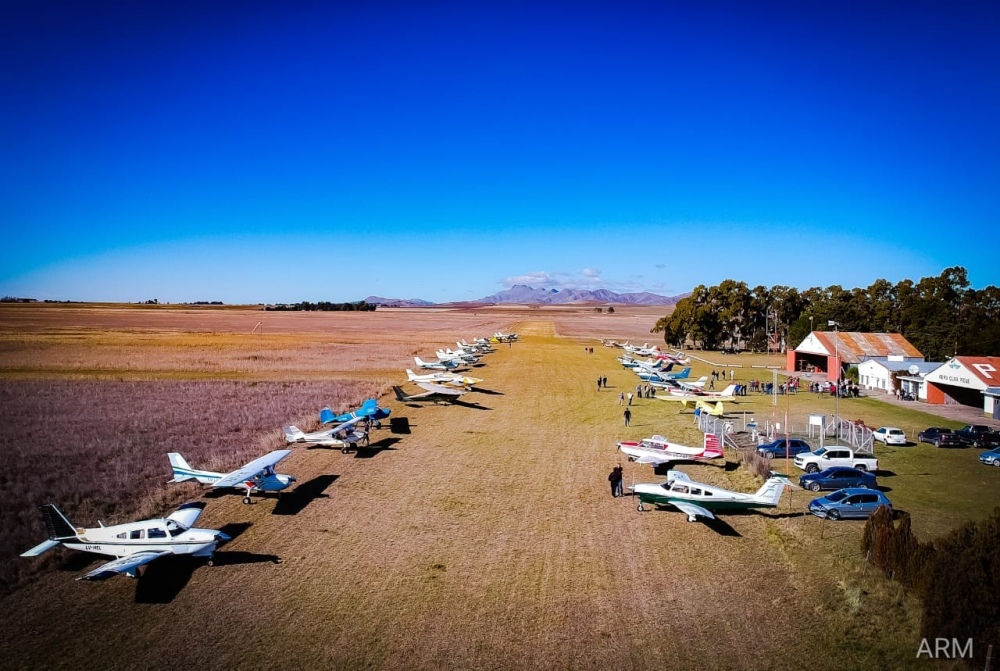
(399,425)
(722,527)
(235,529)
(162,580)
(293,502)
(370,450)
(491,392)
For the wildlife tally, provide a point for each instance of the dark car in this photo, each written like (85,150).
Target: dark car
(837,477)
(940,437)
(777,448)
(978,435)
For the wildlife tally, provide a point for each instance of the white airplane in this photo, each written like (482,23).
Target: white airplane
(450,379)
(458,357)
(134,544)
(258,475)
(435,393)
(504,337)
(700,500)
(658,450)
(343,435)
(449,364)
(476,347)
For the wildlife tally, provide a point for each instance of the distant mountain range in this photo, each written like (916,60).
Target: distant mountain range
(397,302)
(524,295)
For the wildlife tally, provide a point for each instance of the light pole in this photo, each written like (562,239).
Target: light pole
(836,358)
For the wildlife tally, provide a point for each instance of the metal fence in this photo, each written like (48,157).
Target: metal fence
(837,431)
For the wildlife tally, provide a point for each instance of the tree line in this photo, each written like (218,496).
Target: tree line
(941,316)
(323,306)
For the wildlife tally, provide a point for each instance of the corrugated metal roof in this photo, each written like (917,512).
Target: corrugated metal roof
(856,347)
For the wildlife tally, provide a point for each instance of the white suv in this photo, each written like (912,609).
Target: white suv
(890,435)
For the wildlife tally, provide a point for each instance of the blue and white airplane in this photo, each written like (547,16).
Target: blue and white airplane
(258,475)
(368,409)
(134,544)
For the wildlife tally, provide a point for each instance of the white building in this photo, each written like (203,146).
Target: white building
(877,375)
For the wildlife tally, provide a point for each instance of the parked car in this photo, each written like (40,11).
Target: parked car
(776,448)
(940,437)
(978,435)
(834,455)
(838,477)
(848,504)
(889,435)
(991,458)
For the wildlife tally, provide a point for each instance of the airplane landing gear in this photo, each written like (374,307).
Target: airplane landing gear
(343,450)
(246,499)
(640,507)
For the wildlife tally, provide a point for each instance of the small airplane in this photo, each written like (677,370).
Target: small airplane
(368,409)
(434,393)
(463,357)
(133,544)
(682,374)
(344,435)
(449,379)
(715,409)
(503,337)
(440,364)
(258,475)
(700,500)
(476,347)
(658,450)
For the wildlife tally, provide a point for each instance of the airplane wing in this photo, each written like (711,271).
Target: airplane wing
(123,565)
(187,514)
(692,510)
(652,459)
(252,469)
(440,389)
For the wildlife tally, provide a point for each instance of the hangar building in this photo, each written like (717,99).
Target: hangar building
(966,380)
(828,352)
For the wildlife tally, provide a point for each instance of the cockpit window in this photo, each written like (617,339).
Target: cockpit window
(174,529)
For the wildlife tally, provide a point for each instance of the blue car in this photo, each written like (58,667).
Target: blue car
(848,504)
(837,477)
(776,448)
(991,458)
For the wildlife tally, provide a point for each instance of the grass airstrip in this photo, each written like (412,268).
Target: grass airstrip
(486,536)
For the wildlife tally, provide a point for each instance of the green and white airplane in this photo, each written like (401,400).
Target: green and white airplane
(700,500)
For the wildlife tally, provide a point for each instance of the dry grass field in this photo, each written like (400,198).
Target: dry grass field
(484,538)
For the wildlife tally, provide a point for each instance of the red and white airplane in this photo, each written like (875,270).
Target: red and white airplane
(658,450)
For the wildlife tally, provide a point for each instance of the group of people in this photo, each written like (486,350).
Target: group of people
(615,478)
(602,382)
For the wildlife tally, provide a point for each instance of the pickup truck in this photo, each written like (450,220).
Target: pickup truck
(978,435)
(834,455)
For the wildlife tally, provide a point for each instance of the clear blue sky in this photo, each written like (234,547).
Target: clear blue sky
(259,152)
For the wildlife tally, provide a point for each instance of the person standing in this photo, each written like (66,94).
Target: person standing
(598,384)
(630,398)
(614,482)
(619,476)
(621,397)
(628,416)
(604,381)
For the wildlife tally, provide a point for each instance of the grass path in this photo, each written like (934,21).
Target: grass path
(486,539)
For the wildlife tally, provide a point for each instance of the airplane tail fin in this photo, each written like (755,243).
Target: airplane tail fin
(729,391)
(713,447)
(326,416)
(683,375)
(410,375)
(182,471)
(770,492)
(293,434)
(56,524)
(400,396)
(418,361)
